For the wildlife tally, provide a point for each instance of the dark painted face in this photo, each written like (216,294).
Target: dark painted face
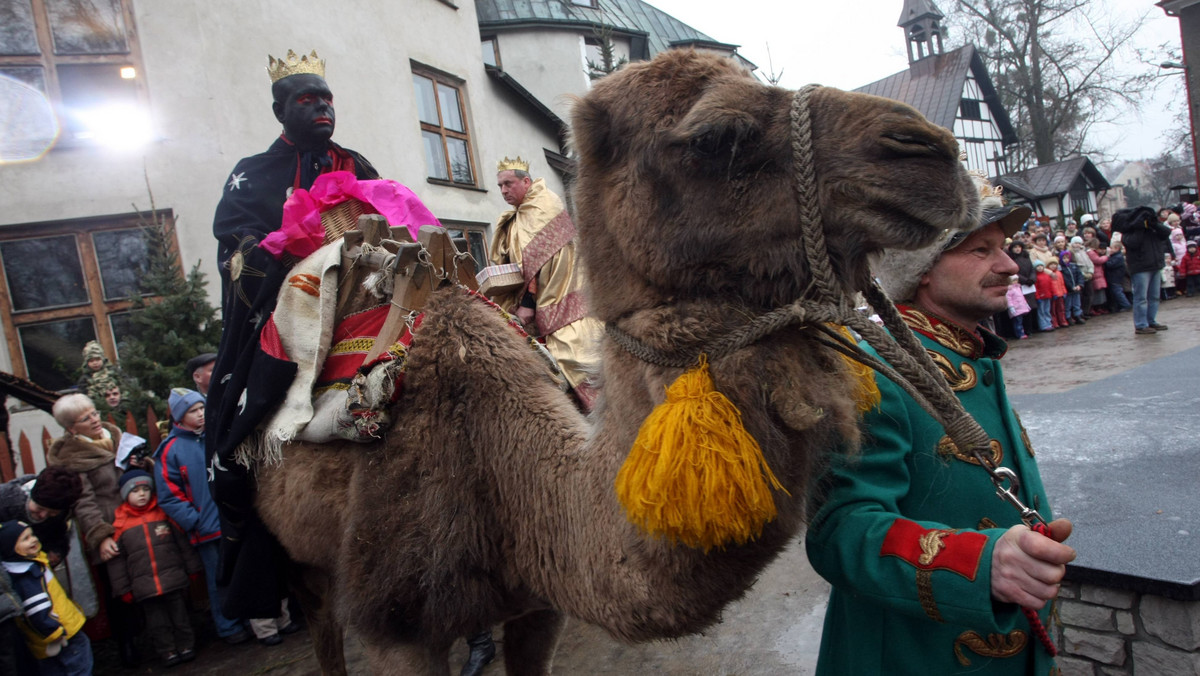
(304,104)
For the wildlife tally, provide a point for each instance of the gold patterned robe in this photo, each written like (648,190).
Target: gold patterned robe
(540,237)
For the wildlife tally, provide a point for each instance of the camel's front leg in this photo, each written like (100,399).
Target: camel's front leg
(530,641)
(313,590)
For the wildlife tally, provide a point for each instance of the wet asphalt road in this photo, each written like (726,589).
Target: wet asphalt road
(1115,420)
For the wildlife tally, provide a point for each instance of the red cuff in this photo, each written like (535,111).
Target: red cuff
(935,549)
(127,597)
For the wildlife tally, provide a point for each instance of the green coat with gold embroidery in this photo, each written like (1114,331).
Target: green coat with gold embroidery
(898,607)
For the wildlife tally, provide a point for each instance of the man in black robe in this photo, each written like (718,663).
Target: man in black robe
(246,382)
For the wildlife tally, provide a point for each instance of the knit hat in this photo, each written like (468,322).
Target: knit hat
(899,272)
(1038,264)
(198,361)
(181,400)
(57,488)
(92,350)
(1077,240)
(134,478)
(10,532)
(1191,244)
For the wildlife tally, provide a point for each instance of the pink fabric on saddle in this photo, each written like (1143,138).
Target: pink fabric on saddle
(301,232)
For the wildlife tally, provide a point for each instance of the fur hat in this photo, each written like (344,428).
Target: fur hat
(57,488)
(10,532)
(198,361)
(134,478)
(1131,217)
(92,350)
(181,400)
(899,272)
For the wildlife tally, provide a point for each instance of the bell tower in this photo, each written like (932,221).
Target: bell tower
(922,24)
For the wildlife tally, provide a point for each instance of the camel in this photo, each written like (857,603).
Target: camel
(491,500)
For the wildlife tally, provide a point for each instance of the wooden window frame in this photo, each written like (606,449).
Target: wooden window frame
(49,62)
(968,106)
(96,308)
(484,229)
(459,85)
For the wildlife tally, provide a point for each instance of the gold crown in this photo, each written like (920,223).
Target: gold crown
(986,189)
(514,165)
(295,65)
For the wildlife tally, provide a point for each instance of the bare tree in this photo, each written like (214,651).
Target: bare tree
(1054,63)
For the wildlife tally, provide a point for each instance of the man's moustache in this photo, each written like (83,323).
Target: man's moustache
(995,280)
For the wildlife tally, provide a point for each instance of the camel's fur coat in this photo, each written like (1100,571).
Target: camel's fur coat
(491,500)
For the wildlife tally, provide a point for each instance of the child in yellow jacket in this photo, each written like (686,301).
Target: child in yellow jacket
(51,621)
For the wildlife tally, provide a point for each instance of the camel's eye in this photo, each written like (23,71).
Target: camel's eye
(725,143)
(912,144)
(708,144)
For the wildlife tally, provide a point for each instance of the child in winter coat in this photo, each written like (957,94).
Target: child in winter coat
(1044,290)
(152,568)
(1018,307)
(1168,276)
(1114,274)
(1058,302)
(1189,269)
(1073,280)
(183,494)
(51,621)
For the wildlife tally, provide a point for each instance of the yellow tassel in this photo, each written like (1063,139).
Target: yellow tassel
(695,475)
(866,392)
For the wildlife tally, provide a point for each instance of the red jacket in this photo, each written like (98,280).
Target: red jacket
(155,556)
(1044,286)
(1060,286)
(1189,265)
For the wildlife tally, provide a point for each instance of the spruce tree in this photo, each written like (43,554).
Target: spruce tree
(171,321)
(608,52)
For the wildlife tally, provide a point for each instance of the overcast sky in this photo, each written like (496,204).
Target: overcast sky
(849,44)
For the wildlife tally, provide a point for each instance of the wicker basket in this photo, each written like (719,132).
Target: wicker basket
(495,280)
(341,217)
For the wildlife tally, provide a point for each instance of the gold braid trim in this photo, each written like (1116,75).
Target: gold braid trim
(965,378)
(946,448)
(996,645)
(925,594)
(1024,435)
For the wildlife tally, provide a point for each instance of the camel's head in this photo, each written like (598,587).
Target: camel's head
(686,184)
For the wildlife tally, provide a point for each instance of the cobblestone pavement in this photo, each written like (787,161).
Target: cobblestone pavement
(776,629)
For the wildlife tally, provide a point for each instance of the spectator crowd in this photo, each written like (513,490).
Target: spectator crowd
(1129,263)
(117,529)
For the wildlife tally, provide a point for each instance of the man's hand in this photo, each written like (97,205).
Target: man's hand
(1027,566)
(525,314)
(109,549)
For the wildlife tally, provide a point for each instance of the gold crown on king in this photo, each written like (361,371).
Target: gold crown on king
(295,65)
(515,165)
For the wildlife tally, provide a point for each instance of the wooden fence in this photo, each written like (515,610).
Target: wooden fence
(8,469)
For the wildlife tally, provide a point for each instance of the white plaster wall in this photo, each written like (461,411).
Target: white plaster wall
(204,66)
(549,63)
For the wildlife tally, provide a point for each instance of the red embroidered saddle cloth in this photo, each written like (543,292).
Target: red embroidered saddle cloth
(354,337)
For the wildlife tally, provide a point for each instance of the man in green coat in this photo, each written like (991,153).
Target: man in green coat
(929,567)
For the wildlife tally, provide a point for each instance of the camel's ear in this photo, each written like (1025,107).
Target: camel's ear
(591,131)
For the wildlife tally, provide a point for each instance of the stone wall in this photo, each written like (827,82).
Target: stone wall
(1105,632)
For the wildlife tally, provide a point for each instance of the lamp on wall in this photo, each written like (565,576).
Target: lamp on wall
(1192,105)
